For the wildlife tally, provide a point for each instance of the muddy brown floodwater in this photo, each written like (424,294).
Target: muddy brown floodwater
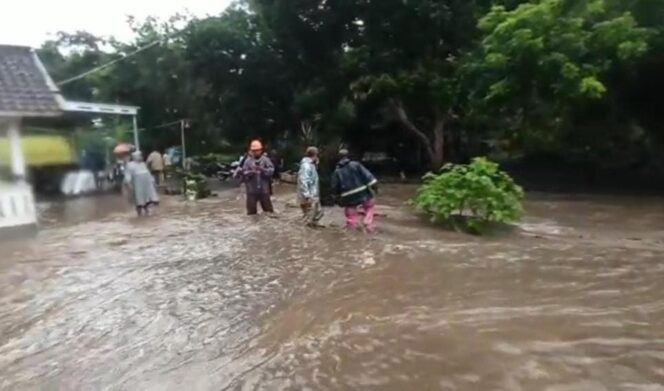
(202,297)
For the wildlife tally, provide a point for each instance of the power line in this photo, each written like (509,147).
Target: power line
(108,64)
(164,125)
(117,60)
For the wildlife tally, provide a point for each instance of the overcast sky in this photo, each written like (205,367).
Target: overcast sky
(29,22)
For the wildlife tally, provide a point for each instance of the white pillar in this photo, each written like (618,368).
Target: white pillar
(137,142)
(184,144)
(15,149)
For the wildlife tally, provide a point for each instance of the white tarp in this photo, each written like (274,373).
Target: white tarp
(78,183)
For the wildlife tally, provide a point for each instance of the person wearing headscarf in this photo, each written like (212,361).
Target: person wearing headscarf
(257,171)
(140,184)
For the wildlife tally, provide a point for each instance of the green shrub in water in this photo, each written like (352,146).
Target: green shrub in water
(470,196)
(195,186)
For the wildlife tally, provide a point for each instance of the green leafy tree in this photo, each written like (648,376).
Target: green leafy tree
(312,39)
(246,86)
(157,79)
(71,54)
(543,59)
(407,57)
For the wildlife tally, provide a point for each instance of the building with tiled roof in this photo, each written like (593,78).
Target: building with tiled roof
(26,89)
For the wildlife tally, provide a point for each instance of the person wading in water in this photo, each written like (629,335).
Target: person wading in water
(140,185)
(355,187)
(308,189)
(257,172)
(156,164)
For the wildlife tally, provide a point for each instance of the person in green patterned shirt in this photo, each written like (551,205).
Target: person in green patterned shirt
(308,188)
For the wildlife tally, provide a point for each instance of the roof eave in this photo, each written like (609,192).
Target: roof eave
(19,114)
(57,94)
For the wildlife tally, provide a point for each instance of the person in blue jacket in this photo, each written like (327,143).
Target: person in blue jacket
(355,187)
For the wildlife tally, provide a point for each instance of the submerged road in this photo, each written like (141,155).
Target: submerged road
(202,297)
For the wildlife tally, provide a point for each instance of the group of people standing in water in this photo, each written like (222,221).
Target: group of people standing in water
(353,186)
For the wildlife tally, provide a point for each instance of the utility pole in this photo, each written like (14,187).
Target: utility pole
(183,124)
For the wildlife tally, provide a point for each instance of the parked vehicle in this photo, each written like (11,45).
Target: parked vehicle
(224,172)
(214,166)
(48,158)
(381,163)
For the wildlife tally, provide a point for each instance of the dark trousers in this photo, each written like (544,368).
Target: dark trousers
(263,199)
(158,177)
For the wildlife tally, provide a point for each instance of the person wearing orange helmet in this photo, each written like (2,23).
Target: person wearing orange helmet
(257,172)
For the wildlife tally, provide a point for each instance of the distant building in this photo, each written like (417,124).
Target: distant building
(26,90)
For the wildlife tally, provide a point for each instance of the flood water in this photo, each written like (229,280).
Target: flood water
(202,297)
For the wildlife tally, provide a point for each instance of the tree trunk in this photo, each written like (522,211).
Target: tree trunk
(438,157)
(435,145)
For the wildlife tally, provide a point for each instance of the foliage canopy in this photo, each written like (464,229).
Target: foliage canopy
(428,81)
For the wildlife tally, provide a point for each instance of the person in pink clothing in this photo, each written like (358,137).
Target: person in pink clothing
(355,188)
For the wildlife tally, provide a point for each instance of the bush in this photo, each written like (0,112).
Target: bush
(195,186)
(471,196)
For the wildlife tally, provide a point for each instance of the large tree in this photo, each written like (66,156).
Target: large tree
(407,56)
(550,68)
